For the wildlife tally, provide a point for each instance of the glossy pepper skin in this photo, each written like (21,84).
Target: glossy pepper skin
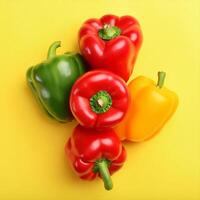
(103,156)
(151,106)
(51,81)
(111,43)
(99,99)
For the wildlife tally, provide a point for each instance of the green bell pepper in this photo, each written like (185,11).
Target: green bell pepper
(51,81)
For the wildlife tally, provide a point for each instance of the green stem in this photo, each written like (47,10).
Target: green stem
(101,102)
(161,79)
(105,174)
(52,49)
(109,32)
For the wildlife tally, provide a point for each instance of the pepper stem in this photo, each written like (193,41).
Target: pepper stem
(102,166)
(52,49)
(161,79)
(101,102)
(109,32)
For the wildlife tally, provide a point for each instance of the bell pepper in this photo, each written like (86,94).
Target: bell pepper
(151,106)
(99,99)
(103,156)
(51,81)
(111,43)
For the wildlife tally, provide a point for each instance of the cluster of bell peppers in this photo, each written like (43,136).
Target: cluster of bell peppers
(91,87)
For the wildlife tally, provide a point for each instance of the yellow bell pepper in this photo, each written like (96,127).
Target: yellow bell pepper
(150,108)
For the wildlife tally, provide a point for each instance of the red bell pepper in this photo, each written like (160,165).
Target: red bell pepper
(99,99)
(103,156)
(112,43)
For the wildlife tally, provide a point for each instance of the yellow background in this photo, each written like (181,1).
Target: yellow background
(32,160)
